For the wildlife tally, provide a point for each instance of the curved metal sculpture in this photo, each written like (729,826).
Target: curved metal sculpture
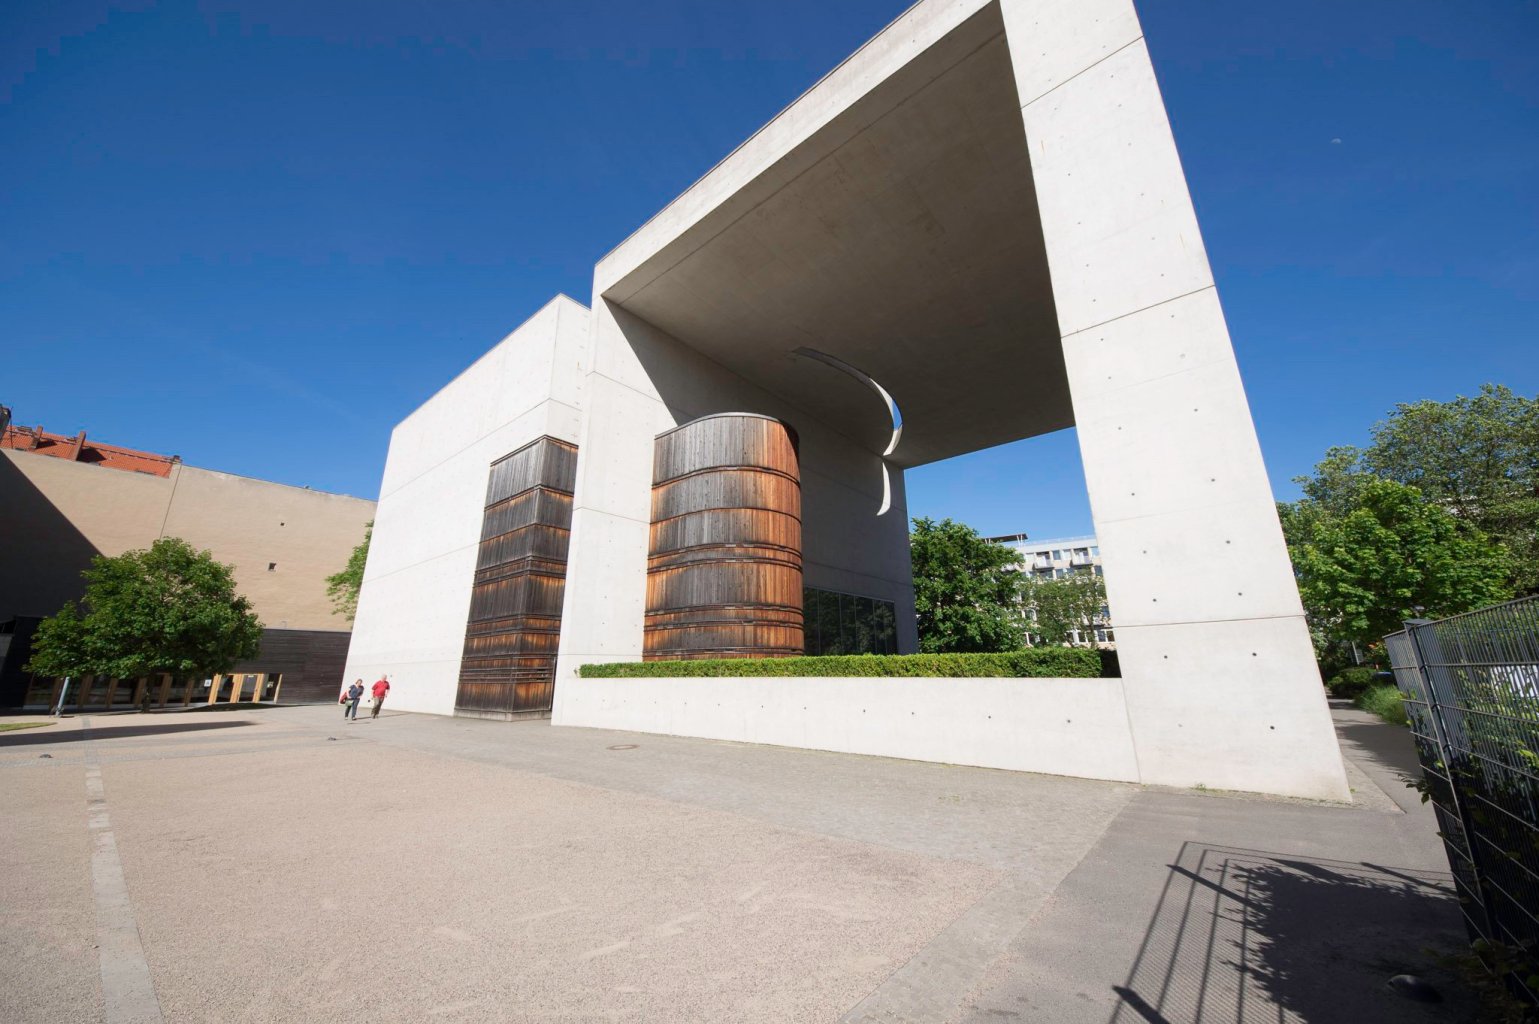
(724,571)
(887,399)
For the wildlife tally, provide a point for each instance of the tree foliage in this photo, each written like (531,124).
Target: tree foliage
(170,608)
(966,589)
(1393,555)
(343,587)
(1477,457)
(1056,608)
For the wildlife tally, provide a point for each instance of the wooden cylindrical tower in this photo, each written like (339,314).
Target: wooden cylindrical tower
(724,572)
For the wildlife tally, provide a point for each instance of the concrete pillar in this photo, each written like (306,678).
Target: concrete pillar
(164,694)
(1221,683)
(237,687)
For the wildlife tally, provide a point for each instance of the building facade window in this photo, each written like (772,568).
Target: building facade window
(838,623)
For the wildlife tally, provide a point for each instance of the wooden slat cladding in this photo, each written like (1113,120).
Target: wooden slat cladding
(509,660)
(724,568)
(310,661)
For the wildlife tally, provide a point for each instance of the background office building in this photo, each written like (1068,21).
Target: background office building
(65,499)
(1058,559)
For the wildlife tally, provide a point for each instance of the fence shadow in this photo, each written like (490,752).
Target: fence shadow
(1246,935)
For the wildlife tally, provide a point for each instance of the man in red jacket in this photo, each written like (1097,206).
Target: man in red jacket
(381,687)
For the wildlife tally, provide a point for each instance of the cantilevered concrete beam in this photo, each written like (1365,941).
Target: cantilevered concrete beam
(983,210)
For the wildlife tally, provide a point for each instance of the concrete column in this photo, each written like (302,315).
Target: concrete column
(213,688)
(1221,683)
(237,687)
(140,686)
(605,602)
(165,690)
(112,691)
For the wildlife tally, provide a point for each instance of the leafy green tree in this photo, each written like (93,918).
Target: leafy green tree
(170,608)
(1394,556)
(966,589)
(1056,608)
(1477,457)
(343,587)
(60,646)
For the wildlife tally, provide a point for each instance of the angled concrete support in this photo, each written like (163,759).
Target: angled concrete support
(1220,678)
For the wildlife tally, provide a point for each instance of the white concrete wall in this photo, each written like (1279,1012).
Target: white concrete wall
(416,589)
(1221,681)
(1054,726)
(643,382)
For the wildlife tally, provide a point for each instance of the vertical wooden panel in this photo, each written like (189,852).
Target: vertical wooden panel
(509,661)
(724,570)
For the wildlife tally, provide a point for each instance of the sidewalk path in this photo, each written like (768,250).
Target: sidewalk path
(283,865)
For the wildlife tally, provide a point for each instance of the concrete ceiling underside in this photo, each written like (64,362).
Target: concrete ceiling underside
(902,238)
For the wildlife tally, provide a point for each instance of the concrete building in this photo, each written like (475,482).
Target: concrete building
(64,500)
(974,230)
(1060,558)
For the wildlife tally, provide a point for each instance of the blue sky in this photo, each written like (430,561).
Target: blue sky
(258,234)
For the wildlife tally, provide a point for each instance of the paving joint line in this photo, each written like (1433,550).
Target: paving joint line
(128,993)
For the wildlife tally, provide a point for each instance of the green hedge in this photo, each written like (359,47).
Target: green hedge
(1386,702)
(1350,683)
(1050,662)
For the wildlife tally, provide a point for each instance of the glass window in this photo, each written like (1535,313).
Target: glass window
(848,624)
(1057,555)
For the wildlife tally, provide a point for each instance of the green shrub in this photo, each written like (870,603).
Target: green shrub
(1050,662)
(1350,683)
(1384,701)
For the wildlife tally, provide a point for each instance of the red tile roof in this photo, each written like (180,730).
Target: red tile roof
(78,449)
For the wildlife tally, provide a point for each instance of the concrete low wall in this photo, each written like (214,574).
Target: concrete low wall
(1073,727)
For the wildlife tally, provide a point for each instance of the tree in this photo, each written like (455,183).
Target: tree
(59,646)
(343,587)
(1057,608)
(169,608)
(1394,556)
(966,589)
(1477,457)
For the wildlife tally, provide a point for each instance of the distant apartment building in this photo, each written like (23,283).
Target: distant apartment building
(66,499)
(1060,558)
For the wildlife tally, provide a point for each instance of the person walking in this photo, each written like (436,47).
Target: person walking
(381,687)
(354,695)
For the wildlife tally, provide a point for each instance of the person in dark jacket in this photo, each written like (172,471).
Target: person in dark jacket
(354,695)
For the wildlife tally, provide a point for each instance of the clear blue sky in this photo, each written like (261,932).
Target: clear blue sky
(258,234)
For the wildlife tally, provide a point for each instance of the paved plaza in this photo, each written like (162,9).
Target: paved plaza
(284,865)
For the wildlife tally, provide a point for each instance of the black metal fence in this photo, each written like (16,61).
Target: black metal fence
(1471,688)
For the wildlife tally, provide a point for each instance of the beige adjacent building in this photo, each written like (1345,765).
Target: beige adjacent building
(64,500)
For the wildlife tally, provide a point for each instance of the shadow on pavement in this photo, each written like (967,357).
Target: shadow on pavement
(1390,746)
(1241,935)
(34,737)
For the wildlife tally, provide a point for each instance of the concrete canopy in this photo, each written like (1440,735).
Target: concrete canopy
(902,237)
